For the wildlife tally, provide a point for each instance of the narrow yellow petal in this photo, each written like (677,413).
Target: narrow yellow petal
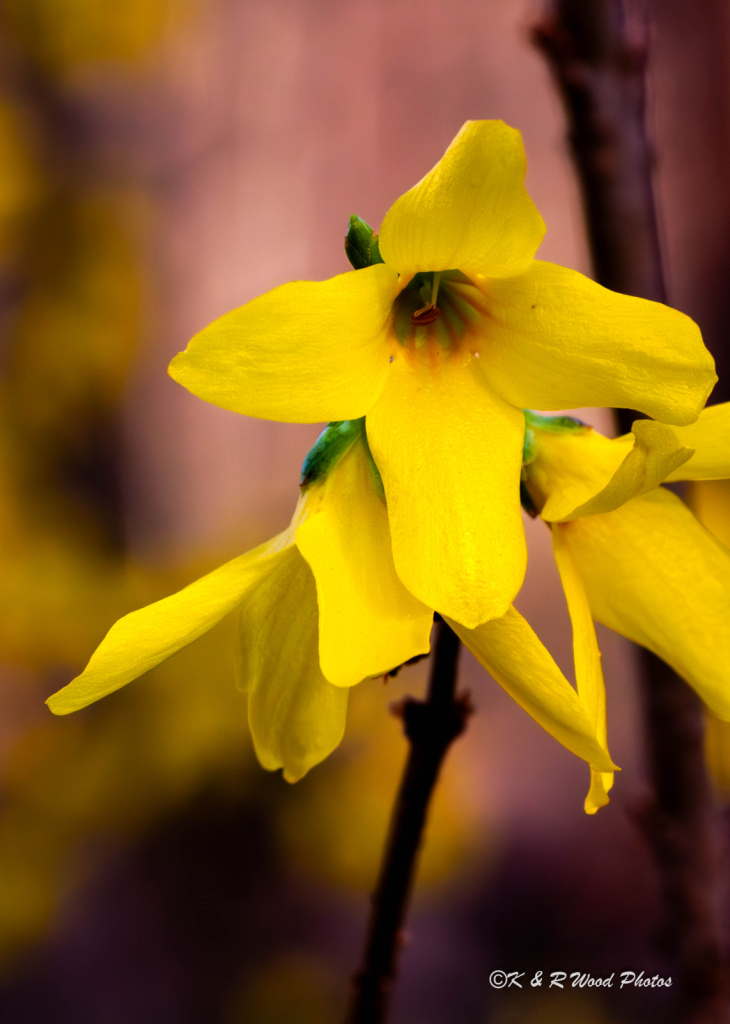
(557,340)
(368,622)
(449,452)
(587,660)
(296,717)
(654,574)
(471,212)
(512,654)
(657,451)
(148,636)
(710,435)
(304,352)
(601,783)
(586,653)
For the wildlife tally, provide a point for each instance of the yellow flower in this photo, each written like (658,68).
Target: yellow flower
(630,554)
(441,346)
(320,608)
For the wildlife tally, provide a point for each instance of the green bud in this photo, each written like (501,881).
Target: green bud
(361,244)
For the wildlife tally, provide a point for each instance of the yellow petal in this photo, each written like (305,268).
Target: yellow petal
(470,213)
(587,660)
(654,574)
(449,452)
(557,340)
(656,452)
(710,435)
(565,468)
(296,717)
(148,636)
(710,502)
(368,622)
(512,654)
(601,783)
(305,352)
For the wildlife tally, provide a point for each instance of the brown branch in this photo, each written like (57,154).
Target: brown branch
(681,824)
(431,727)
(601,77)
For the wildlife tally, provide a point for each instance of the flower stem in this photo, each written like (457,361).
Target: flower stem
(430,726)
(601,77)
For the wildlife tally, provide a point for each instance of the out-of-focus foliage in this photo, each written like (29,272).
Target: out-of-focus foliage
(71,313)
(710,502)
(109,774)
(21,183)
(71,309)
(75,329)
(73,305)
(62,35)
(79,321)
(550,1006)
(334,825)
(293,989)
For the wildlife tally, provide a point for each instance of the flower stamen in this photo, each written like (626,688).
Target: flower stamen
(425,315)
(430,312)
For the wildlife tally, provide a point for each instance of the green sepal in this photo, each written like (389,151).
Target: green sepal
(377,478)
(558,424)
(528,447)
(361,244)
(336,439)
(554,424)
(328,449)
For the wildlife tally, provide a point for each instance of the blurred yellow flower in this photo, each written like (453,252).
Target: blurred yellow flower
(441,346)
(320,608)
(630,554)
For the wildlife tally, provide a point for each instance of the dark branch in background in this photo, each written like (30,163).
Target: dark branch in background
(601,77)
(431,726)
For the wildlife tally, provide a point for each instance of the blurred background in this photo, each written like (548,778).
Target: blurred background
(161,162)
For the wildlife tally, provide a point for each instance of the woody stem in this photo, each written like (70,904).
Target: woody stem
(601,78)
(430,726)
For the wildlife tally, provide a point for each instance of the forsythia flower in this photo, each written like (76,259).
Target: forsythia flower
(320,607)
(440,344)
(630,554)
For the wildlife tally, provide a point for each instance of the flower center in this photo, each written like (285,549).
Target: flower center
(418,320)
(429,313)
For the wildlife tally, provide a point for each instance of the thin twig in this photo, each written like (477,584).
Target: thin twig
(431,726)
(601,77)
